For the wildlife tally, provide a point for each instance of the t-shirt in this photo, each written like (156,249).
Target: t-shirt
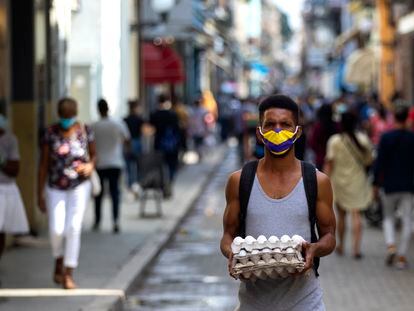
(9,151)
(65,154)
(394,167)
(198,126)
(134,124)
(110,136)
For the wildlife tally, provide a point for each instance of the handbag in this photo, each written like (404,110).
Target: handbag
(96,183)
(96,187)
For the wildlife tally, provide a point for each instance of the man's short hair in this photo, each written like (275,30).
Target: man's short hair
(162,98)
(401,113)
(103,106)
(133,103)
(279,101)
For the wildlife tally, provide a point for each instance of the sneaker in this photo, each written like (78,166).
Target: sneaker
(95,227)
(401,263)
(391,253)
(115,229)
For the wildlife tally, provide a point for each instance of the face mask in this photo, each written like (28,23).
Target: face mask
(279,141)
(66,123)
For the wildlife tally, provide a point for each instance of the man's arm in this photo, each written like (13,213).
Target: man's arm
(326,223)
(231,215)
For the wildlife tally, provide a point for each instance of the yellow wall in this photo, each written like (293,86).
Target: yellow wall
(25,127)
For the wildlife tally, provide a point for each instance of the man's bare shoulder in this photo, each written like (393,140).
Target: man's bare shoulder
(324,183)
(322,178)
(234,179)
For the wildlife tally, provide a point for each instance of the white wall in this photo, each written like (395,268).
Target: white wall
(99,45)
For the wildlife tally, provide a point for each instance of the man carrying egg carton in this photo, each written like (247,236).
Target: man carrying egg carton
(278,195)
(263,258)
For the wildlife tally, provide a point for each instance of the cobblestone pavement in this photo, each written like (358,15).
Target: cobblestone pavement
(190,274)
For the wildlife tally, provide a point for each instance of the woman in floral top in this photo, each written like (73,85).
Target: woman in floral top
(67,161)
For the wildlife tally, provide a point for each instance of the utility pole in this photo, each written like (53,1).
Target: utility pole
(386,86)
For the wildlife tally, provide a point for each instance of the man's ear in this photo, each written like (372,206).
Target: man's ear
(299,133)
(258,135)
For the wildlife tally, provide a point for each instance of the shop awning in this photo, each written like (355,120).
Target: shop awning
(161,64)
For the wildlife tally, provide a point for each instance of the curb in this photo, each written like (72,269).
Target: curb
(131,273)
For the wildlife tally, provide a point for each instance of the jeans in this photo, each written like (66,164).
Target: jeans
(112,175)
(391,202)
(65,210)
(131,161)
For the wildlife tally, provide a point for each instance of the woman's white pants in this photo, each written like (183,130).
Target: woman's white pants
(65,210)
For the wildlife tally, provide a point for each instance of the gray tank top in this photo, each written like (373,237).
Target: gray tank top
(290,216)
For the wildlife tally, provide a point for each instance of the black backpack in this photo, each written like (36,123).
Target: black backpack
(311,189)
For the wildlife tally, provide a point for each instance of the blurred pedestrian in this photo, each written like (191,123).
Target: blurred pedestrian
(67,162)
(167,137)
(394,173)
(110,137)
(198,127)
(380,121)
(135,122)
(183,121)
(320,133)
(349,153)
(12,213)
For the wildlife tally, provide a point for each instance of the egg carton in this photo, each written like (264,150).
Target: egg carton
(267,258)
(250,243)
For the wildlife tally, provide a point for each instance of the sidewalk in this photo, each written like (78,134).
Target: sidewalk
(109,264)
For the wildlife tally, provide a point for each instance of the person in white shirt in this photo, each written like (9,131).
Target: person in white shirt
(110,136)
(12,213)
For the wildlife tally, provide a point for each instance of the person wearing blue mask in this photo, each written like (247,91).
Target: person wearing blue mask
(67,162)
(12,213)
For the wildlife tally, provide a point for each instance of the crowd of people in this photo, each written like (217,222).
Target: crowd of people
(79,160)
(362,152)
(364,147)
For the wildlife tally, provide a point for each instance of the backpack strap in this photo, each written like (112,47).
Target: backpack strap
(311,189)
(245,188)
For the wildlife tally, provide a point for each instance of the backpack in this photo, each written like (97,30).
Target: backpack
(169,141)
(311,189)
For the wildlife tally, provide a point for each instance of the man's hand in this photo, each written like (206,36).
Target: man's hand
(230,264)
(308,250)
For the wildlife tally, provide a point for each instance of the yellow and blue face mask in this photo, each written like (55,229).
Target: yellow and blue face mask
(279,141)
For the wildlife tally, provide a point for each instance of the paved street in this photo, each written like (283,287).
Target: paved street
(109,263)
(190,274)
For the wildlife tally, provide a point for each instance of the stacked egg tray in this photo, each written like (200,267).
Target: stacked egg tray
(264,258)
